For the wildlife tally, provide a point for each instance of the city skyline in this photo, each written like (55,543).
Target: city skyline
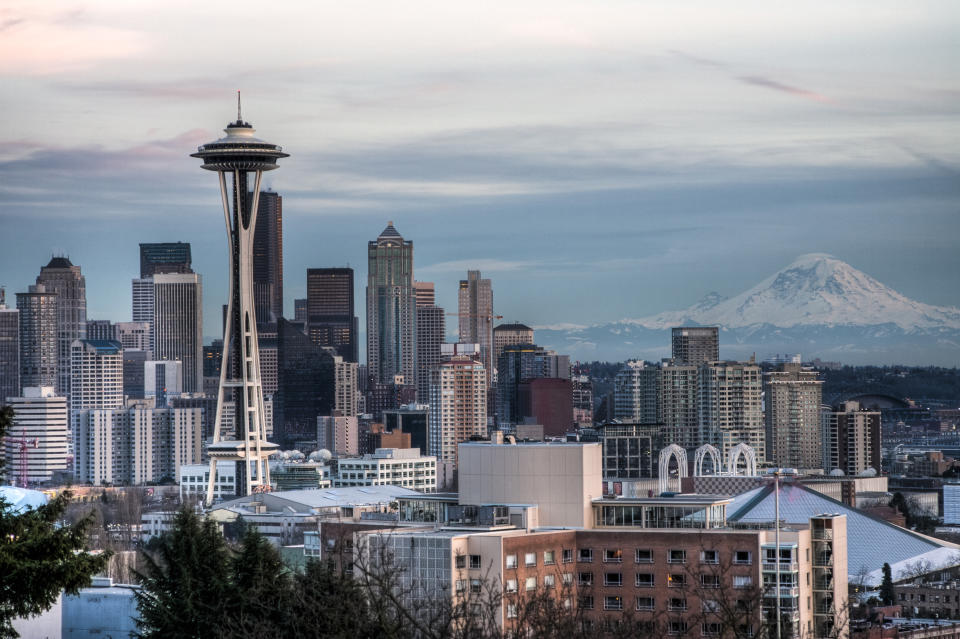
(663,150)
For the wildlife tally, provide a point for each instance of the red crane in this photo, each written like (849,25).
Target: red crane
(22,466)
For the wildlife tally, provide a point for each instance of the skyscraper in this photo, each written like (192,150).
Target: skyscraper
(851,439)
(9,350)
(101,329)
(306,384)
(678,404)
(330,310)
(475,304)
(521,363)
(268,259)
(696,344)
(792,404)
(458,406)
(96,383)
(63,278)
(39,414)
(178,324)
(391,310)
(164,257)
(39,357)
(731,406)
(133,335)
(635,393)
(431,325)
(507,334)
(142,294)
(240,159)
(424,293)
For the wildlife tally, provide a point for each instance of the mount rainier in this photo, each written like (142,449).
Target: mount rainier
(819,306)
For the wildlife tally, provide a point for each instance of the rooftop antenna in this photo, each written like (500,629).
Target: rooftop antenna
(239,119)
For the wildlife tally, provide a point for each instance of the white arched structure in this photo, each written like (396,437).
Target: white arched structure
(702,453)
(672,451)
(750,457)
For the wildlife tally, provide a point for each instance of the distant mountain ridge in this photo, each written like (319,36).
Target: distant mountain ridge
(819,306)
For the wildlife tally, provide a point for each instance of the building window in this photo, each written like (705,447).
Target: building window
(530,559)
(531,583)
(709,557)
(475,562)
(613,555)
(644,556)
(567,555)
(549,581)
(475,586)
(710,629)
(742,581)
(613,603)
(613,579)
(511,611)
(645,603)
(585,579)
(586,554)
(586,602)
(710,605)
(676,580)
(742,557)
(644,580)
(567,578)
(710,581)
(678,557)
(548,558)
(677,604)
(511,562)
(511,585)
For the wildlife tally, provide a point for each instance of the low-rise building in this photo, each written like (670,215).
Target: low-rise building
(389,467)
(194,478)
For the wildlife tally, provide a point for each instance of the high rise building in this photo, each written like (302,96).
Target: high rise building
(635,392)
(851,439)
(792,401)
(330,310)
(142,295)
(431,326)
(133,335)
(240,160)
(521,363)
(96,382)
(101,330)
(39,355)
(178,324)
(63,278)
(9,350)
(475,307)
(268,259)
(696,345)
(458,406)
(424,294)
(548,401)
(391,310)
(582,387)
(42,416)
(339,434)
(510,334)
(300,309)
(306,384)
(731,406)
(164,257)
(347,395)
(678,406)
(134,370)
(162,380)
(410,420)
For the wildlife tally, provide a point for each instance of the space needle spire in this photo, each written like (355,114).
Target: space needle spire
(240,160)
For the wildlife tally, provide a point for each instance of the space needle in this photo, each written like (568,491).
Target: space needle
(240,160)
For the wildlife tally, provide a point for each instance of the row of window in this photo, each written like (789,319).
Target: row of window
(646,556)
(674,580)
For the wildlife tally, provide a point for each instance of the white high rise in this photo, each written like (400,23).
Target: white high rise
(635,393)
(142,295)
(96,382)
(458,406)
(731,406)
(240,159)
(178,324)
(42,416)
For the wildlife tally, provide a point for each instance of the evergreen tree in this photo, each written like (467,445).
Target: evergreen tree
(886,587)
(185,582)
(260,595)
(38,558)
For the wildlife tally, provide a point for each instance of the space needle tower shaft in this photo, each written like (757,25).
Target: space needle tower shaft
(240,160)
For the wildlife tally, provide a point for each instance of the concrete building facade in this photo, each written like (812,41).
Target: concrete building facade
(792,403)
(635,392)
(65,279)
(391,308)
(404,467)
(39,355)
(38,414)
(695,345)
(851,439)
(458,406)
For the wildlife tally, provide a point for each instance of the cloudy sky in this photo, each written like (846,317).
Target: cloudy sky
(598,160)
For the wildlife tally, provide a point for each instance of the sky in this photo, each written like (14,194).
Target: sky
(597,160)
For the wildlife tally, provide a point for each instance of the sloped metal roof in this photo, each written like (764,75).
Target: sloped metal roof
(871,541)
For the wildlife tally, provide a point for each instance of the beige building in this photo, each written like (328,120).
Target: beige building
(792,414)
(345,399)
(562,479)
(731,406)
(458,406)
(339,435)
(510,334)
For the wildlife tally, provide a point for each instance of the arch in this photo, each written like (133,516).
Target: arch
(664,476)
(702,453)
(750,457)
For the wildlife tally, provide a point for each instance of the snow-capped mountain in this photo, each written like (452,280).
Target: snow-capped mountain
(819,306)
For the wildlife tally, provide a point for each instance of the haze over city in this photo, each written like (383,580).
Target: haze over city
(598,161)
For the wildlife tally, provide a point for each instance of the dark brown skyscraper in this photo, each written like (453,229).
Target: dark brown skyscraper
(268,259)
(164,257)
(695,345)
(330,317)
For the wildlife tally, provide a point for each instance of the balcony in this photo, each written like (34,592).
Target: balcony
(785,566)
(823,534)
(823,559)
(823,584)
(785,591)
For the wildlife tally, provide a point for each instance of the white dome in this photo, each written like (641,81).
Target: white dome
(836,472)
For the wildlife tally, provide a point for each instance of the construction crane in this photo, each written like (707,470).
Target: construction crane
(23,443)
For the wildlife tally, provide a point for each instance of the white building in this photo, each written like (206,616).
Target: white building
(731,406)
(193,480)
(134,335)
(42,416)
(96,379)
(339,435)
(635,393)
(136,445)
(162,380)
(178,324)
(404,467)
